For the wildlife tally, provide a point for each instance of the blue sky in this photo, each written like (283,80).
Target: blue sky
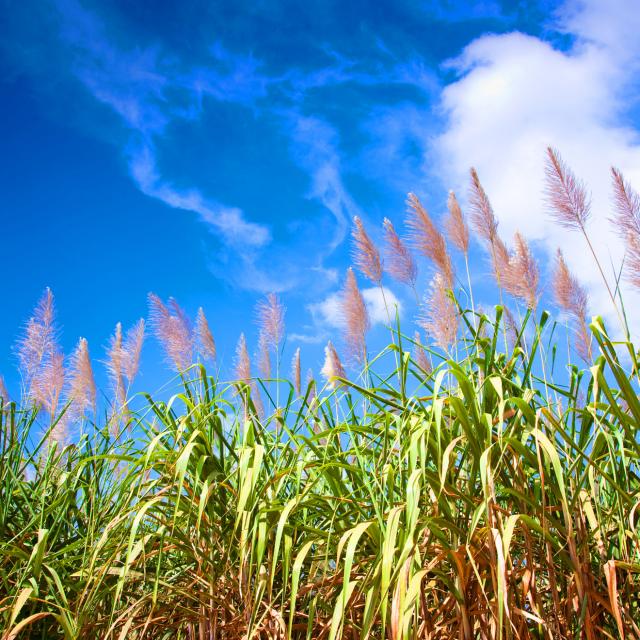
(216,151)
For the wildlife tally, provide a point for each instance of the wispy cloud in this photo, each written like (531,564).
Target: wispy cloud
(150,90)
(227,221)
(314,145)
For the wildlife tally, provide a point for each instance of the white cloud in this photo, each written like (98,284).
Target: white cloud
(381,307)
(517,94)
(328,312)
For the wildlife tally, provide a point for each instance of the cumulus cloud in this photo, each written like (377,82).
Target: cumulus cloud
(515,95)
(381,305)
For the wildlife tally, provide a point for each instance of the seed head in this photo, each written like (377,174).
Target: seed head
(271,314)
(482,217)
(627,224)
(456,226)
(48,383)
(40,338)
(204,337)
(399,261)
(365,254)
(572,297)
(420,355)
(440,319)
(264,357)
(132,348)
(295,371)
(82,387)
(427,239)
(332,368)
(522,276)
(173,329)
(566,195)
(355,316)
(243,363)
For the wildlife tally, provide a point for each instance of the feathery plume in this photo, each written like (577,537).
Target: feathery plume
(173,330)
(627,203)
(131,350)
(427,239)
(311,384)
(204,337)
(115,365)
(60,433)
(482,217)
(355,316)
(365,254)
(440,320)
(4,394)
(485,224)
(82,386)
(569,294)
(264,357)
(332,368)
(573,298)
(582,341)
(632,260)
(399,263)
(627,224)
(500,260)
(243,364)
(511,328)
(40,338)
(48,383)
(271,314)
(456,226)
(243,374)
(295,371)
(566,195)
(521,278)
(420,355)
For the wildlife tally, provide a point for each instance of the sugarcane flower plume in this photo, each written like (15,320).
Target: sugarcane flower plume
(440,316)
(627,224)
(482,217)
(204,337)
(82,385)
(173,330)
(332,368)
(427,239)
(456,225)
(567,196)
(572,297)
(271,313)
(242,361)
(39,340)
(420,354)
(365,254)
(264,357)
(295,371)
(399,262)
(522,277)
(356,318)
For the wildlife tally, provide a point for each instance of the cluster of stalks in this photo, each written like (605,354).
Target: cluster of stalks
(464,485)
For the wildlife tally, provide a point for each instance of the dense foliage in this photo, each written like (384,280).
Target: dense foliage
(492,496)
